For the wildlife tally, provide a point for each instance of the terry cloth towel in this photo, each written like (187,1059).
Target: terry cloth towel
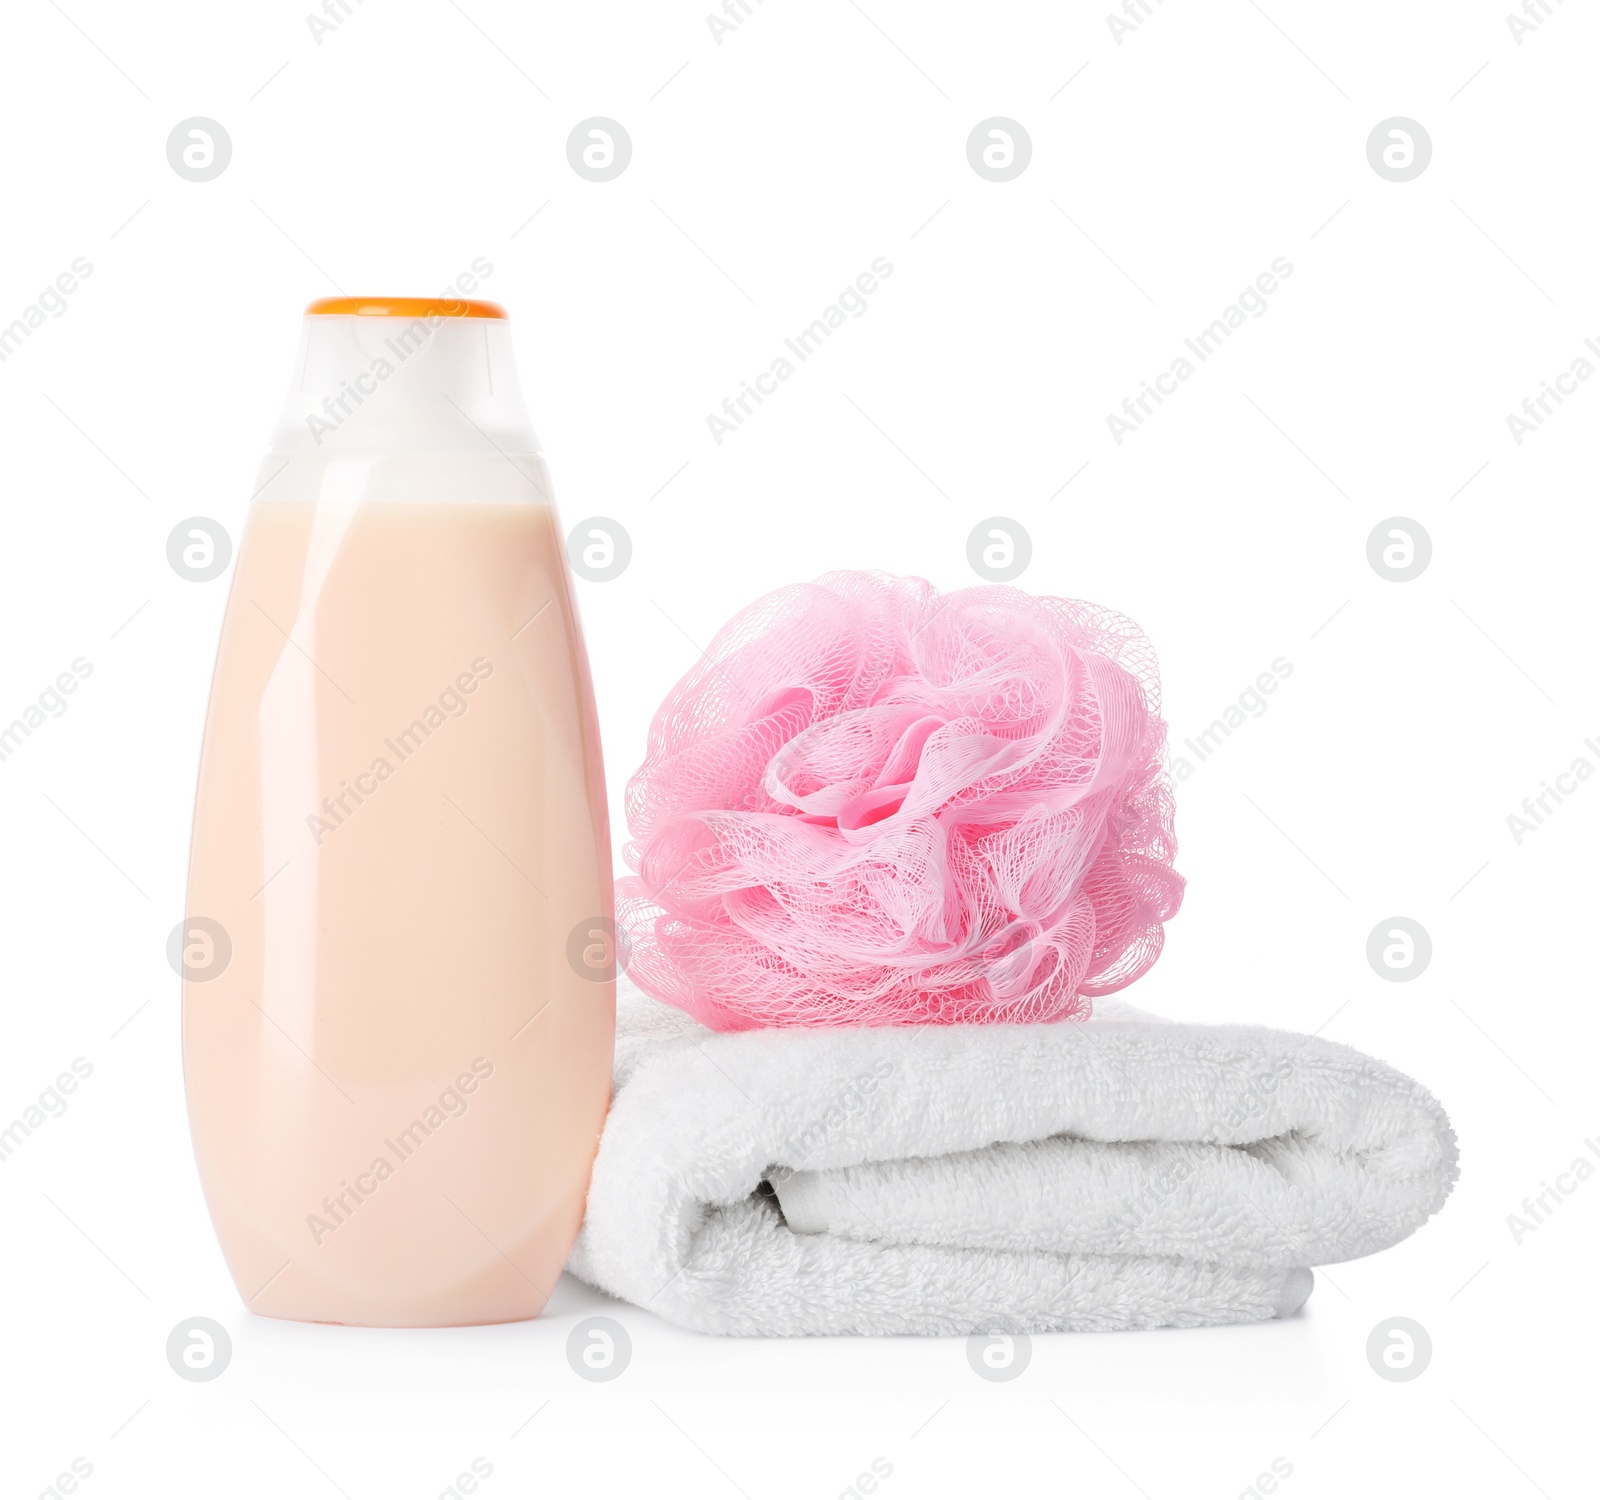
(1124,1172)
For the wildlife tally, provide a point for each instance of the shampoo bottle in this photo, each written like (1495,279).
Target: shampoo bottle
(398,1004)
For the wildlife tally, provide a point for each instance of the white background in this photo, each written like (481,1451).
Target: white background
(767,172)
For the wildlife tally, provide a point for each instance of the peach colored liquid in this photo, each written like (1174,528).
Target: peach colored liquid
(397,1083)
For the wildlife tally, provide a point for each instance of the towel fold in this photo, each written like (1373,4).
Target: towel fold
(1124,1172)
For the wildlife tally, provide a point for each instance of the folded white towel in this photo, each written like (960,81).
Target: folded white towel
(1124,1172)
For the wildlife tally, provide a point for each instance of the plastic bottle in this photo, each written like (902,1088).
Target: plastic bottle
(398,1002)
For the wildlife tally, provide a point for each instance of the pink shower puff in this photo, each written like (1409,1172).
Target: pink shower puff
(873,804)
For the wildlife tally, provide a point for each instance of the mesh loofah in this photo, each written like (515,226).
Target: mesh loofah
(873,804)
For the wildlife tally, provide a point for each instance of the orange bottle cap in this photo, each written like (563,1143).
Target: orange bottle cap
(403,307)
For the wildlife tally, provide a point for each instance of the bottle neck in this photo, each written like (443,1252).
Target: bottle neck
(430,383)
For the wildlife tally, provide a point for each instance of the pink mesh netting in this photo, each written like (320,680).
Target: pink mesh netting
(873,804)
